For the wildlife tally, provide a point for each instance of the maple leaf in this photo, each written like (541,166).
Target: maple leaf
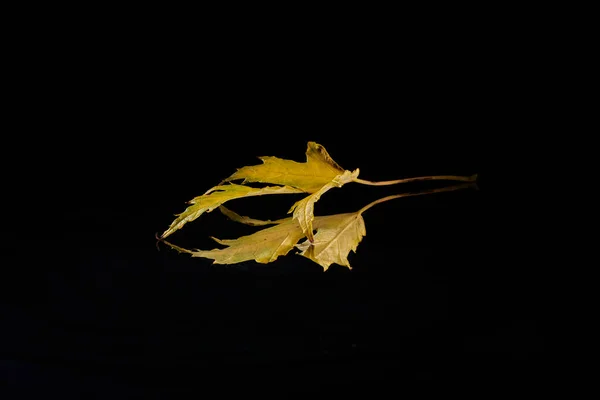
(218,195)
(336,236)
(264,246)
(310,176)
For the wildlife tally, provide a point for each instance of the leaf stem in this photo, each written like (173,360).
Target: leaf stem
(409,194)
(179,249)
(472,178)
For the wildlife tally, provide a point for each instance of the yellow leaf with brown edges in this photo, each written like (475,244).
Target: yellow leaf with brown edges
(310,176)
(336,236)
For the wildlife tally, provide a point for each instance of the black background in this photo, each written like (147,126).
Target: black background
(119,131)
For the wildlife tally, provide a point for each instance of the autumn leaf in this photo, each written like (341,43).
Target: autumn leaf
(263,246)
(310,176)
(218,195)
(336,236)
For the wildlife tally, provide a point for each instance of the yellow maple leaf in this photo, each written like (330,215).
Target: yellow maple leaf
(218,195)
(310,176)
(263,246)
(336,236)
